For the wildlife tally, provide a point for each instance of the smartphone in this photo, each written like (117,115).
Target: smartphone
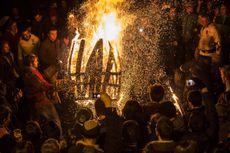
(190,83)
(96,95)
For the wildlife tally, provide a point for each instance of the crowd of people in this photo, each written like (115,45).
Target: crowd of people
(194,47)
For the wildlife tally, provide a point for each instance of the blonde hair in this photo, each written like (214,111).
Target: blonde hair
(50,146)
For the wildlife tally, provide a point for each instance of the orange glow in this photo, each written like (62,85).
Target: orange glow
(106,20)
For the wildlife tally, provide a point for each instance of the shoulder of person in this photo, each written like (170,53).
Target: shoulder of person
(3,132)
(46,40)
(33,36)
(213,26)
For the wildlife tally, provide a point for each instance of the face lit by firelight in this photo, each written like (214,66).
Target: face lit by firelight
(35,63)
(53,35)
(5,47)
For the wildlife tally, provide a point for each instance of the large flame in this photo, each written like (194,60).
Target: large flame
(109,29)
(106,20)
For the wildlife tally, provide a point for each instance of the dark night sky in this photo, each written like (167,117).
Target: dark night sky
(7,4)
(27,6)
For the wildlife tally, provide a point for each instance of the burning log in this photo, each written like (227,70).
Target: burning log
(94,67)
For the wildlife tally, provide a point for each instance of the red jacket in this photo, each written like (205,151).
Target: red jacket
(35,87)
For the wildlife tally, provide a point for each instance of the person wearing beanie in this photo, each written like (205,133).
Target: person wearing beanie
(111,125)
(83,114)
(194,99)
(90,132)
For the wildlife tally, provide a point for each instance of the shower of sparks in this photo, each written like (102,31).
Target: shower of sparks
(106,20)
(134,33)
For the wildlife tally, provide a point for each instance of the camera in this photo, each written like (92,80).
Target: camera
(96,95)
(190,83)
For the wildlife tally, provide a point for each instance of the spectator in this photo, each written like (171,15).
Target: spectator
(3,89)
(111,125)
(156,93)
(9,75)
(28,43)
(7,141)
(165,143)
(209,48)
(32,132)
(83,114)
(224,98)
(202,102)
(223,24)
(38,25)
(53,19)
(168,109)
(187,146)
(224,122)
(50,146)
(50,48)
(9,70)
(11,34)
(91,130)
(35,88)
(133,111)
(189,23)
(24,147)
(131,137)
(197,127)
(216,12)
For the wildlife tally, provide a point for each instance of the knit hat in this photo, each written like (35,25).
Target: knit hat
(91,128)
(195,98)
(84,114)
(106,99)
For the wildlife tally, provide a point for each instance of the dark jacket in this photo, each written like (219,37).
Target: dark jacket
(82,147)
(48,54)
(7,143)
(8,69)
(111,132)
(160,147)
